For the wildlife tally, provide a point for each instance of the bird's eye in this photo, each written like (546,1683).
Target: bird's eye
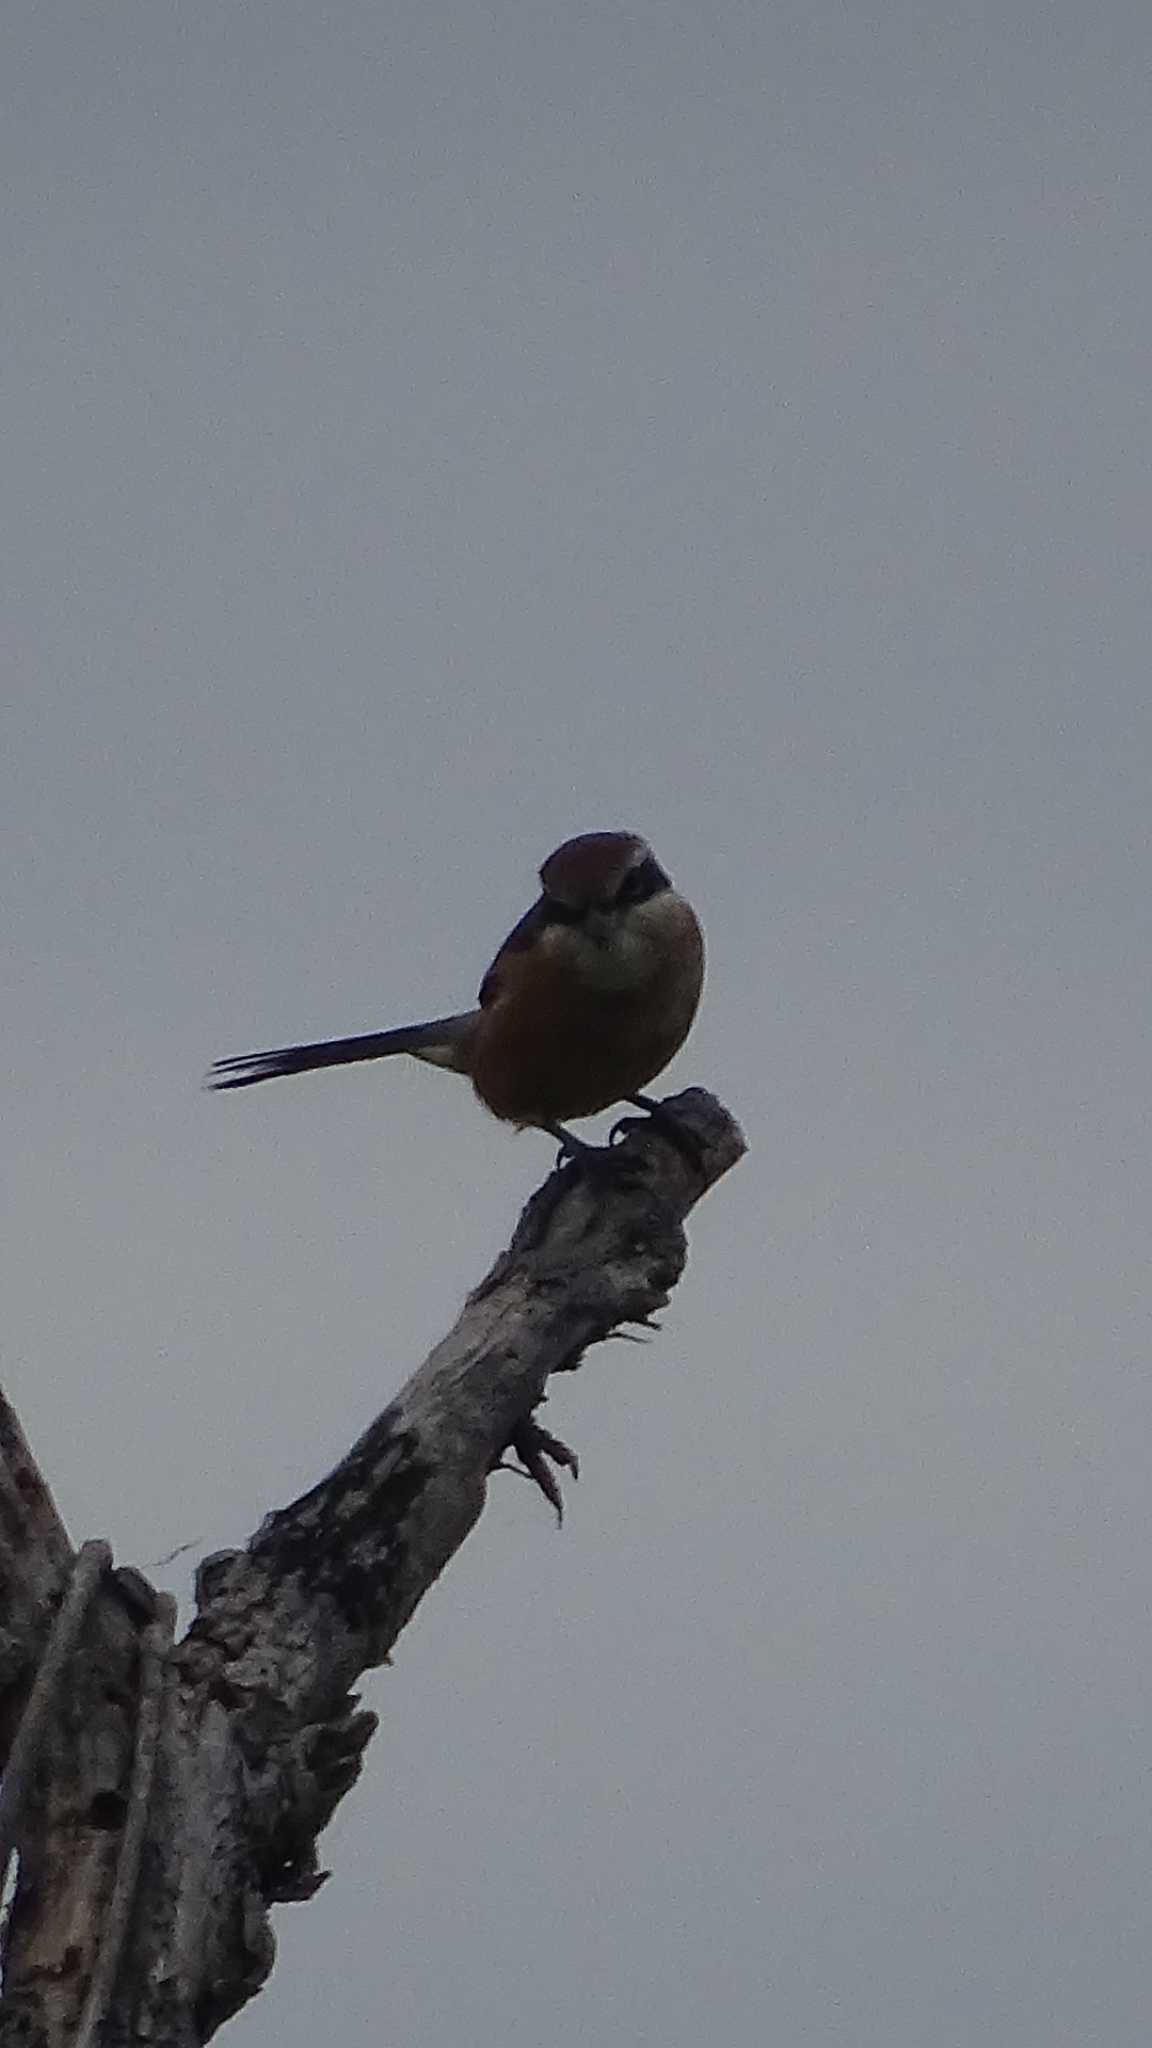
(642,881)
(555,912)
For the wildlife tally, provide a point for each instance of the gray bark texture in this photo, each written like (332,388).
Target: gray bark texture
(161,1797)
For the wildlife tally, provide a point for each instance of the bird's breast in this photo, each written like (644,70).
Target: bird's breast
(587,1016)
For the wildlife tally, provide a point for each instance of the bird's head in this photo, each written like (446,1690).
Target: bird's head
(598,873)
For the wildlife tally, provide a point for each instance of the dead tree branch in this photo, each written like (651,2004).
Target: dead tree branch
(254,1735)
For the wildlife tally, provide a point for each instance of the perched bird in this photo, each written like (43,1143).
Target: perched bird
(586,1001)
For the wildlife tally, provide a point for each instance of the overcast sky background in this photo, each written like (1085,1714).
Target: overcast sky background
(434,429)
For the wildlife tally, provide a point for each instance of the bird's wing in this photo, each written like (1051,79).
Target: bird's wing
(521,939)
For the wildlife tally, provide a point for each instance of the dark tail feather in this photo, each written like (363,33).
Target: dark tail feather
(443,1041)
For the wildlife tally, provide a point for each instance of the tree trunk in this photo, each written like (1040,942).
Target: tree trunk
(162,1798)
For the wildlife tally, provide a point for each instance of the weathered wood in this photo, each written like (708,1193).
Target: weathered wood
(89,1566)
(71,1762)
(261,1733)
(35,1559)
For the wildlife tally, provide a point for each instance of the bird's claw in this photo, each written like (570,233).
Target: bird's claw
(573,1150)
(590,1160)
(678,1135)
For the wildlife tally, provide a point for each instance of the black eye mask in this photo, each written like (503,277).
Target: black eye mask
(642,882)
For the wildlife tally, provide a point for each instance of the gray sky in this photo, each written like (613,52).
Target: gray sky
(435,429)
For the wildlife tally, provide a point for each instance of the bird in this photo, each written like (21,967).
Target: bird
(587,1000)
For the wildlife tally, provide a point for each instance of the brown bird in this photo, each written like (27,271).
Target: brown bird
(587,1000)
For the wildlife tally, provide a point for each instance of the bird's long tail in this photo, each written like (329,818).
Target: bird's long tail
(444,1041)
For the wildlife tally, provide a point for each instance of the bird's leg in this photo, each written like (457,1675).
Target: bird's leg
(534,1447)
(571,1147)
(670,1127)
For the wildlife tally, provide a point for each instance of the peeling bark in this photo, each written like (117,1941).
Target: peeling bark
(249,1733)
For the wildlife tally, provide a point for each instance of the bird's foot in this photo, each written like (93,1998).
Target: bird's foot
(538,1451)
(572,1148)
(685,1141)
(585,1158)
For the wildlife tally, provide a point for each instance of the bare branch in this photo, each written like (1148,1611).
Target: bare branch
(35,1560)
(154,1650)
(89,1566)
(262,1735)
